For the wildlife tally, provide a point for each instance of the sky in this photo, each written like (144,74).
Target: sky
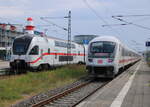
(87,17)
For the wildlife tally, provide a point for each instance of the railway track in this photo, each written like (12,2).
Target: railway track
(84,84)
(66,96)
(72,96)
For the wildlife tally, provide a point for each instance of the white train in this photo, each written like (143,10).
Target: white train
(107,55)
(32,51)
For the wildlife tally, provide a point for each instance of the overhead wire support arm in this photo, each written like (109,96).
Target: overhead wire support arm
(53,17)
(42,18)
(122,20)
(99,16)
(132,15)
(114,25)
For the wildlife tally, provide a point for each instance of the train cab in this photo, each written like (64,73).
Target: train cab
(102,53)
(20,50)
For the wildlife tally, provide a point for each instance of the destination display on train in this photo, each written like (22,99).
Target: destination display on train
(147,44)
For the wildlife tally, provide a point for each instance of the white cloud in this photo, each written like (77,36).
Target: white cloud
(34,7)
(6,11)
(17,1)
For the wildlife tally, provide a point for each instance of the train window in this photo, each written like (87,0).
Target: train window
(126,52)
(65,58)
(21,45)
(48,50)
(63,44)
(119,47)
(55,55)
(73,46)
(41,53)
(123,52)
(66,45)
(60,44)
(56,43)
(78,52)
(34,50)
(102,49)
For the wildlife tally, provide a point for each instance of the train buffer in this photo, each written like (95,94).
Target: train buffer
(130,89)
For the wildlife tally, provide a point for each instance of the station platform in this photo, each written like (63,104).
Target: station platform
(130,89)
(4,64)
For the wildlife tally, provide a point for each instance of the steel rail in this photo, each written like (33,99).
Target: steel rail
(65,93)
(89,94)
(60,95)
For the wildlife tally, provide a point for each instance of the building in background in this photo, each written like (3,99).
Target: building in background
(8,33)
(83,39)
(147,52)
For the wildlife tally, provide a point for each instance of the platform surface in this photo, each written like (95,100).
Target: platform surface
(4,64)
(130,89)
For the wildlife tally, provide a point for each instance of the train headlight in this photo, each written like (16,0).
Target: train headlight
(90,60)
(110,60)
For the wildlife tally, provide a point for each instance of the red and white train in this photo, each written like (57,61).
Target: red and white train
(107,55)
(32,51)
(40,52)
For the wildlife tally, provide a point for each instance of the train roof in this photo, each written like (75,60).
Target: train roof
(112,39)
(49,37)
(106,38)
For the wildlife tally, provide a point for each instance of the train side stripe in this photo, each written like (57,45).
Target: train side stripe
(65,54)
(126,60)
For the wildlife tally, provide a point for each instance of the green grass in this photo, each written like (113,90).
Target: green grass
(20,87)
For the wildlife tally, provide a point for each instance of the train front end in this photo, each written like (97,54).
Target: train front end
(19,57)
(101,58)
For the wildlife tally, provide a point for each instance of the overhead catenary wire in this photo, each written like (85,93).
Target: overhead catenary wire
(132,15)
(122,20)
(142,19)
(53,24)
(50,25)
(53,17)
(115,24)
(63,28)
(99,17)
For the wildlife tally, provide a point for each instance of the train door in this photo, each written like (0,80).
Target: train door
(41,54)
(119,57)
(55,62)
(47,57)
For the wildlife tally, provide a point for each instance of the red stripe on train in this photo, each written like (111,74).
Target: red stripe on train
(126,60)
(65,54)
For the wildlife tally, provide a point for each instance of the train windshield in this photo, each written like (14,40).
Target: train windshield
(21,45)
(102,49)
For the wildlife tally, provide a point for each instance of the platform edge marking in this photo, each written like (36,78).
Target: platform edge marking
(119,99)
